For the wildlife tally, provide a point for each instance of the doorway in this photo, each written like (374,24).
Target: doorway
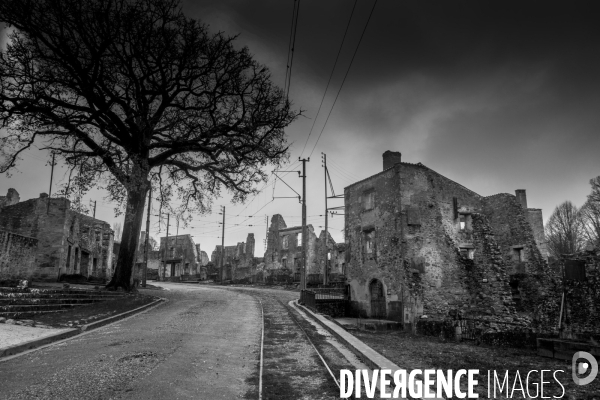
(377,299)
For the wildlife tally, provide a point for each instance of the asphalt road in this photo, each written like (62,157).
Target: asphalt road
(202,344)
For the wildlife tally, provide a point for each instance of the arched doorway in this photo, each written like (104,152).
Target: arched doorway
(377,299)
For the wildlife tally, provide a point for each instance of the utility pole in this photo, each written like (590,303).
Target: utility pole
(51,176)
(165,252)
(146,247)
(223,248)
(94,208)
(304,239)
(325,251)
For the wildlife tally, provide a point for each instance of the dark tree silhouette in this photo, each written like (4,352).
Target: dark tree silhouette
(564,230)
(590,214)
(132,94)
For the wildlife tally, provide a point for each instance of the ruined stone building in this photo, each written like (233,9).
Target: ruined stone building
(65,241)
(182,256)
(203,258)
(419,243)
(238,261)
(284,253)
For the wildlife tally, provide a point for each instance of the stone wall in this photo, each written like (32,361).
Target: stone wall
(527,267)
(284,250)
(12,197)
(17,257)
(431,243)
(181,256)
(68,242)
(239,262)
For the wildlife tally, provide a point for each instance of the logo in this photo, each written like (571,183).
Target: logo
(581,368)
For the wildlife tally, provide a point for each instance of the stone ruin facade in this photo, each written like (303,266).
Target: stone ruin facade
(47,239)
(182,257)
(238,263)
(420,244)
(283,257)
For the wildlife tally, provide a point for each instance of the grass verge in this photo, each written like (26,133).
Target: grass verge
(85,314)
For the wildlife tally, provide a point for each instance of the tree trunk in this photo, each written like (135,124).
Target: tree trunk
(134,215)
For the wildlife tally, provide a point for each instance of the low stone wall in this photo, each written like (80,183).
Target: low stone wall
(333,308)
(17,257)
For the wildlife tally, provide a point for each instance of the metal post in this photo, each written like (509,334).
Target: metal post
(50,190)
(146,247)
(325,251)
(304,238)
(223,247)
(94,208)
(165,252)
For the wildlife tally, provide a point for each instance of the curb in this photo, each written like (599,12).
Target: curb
(370,357)
(106,321)
(36,343)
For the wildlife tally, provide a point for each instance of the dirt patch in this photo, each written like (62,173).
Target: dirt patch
(425,352)
(88,313)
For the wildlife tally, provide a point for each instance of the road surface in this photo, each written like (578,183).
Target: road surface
(204,343)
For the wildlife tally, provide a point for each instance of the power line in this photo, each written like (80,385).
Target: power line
(330,76)
(291,46)
(345,76)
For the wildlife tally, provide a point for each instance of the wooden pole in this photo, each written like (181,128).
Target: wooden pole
(325,251)
(50,190)
(146,247)
(165,252)
(304,238)
(223,248)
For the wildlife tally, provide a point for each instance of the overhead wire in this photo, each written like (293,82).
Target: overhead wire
(345,76)
(291,47)
(330,76)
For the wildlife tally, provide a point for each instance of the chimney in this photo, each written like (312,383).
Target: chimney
(391,158)
(521,197)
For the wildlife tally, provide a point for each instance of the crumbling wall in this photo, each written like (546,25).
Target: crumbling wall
(530,275)
(373,233)
(17,257)
(415,221)
(12,197)
(283,244)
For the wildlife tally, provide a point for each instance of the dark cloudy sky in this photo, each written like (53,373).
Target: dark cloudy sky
(496,95)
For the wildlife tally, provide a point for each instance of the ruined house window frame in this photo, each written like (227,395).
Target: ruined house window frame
(467,253)
(369,246)
(519,253)
(369,199)
(285,242)
(467,224)
(284,262)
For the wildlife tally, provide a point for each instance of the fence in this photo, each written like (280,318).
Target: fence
(307,298)
(331,301)
(330,293)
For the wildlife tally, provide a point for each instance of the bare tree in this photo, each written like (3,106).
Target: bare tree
(132,93)
(590,214)
(152,243)
(564,230)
